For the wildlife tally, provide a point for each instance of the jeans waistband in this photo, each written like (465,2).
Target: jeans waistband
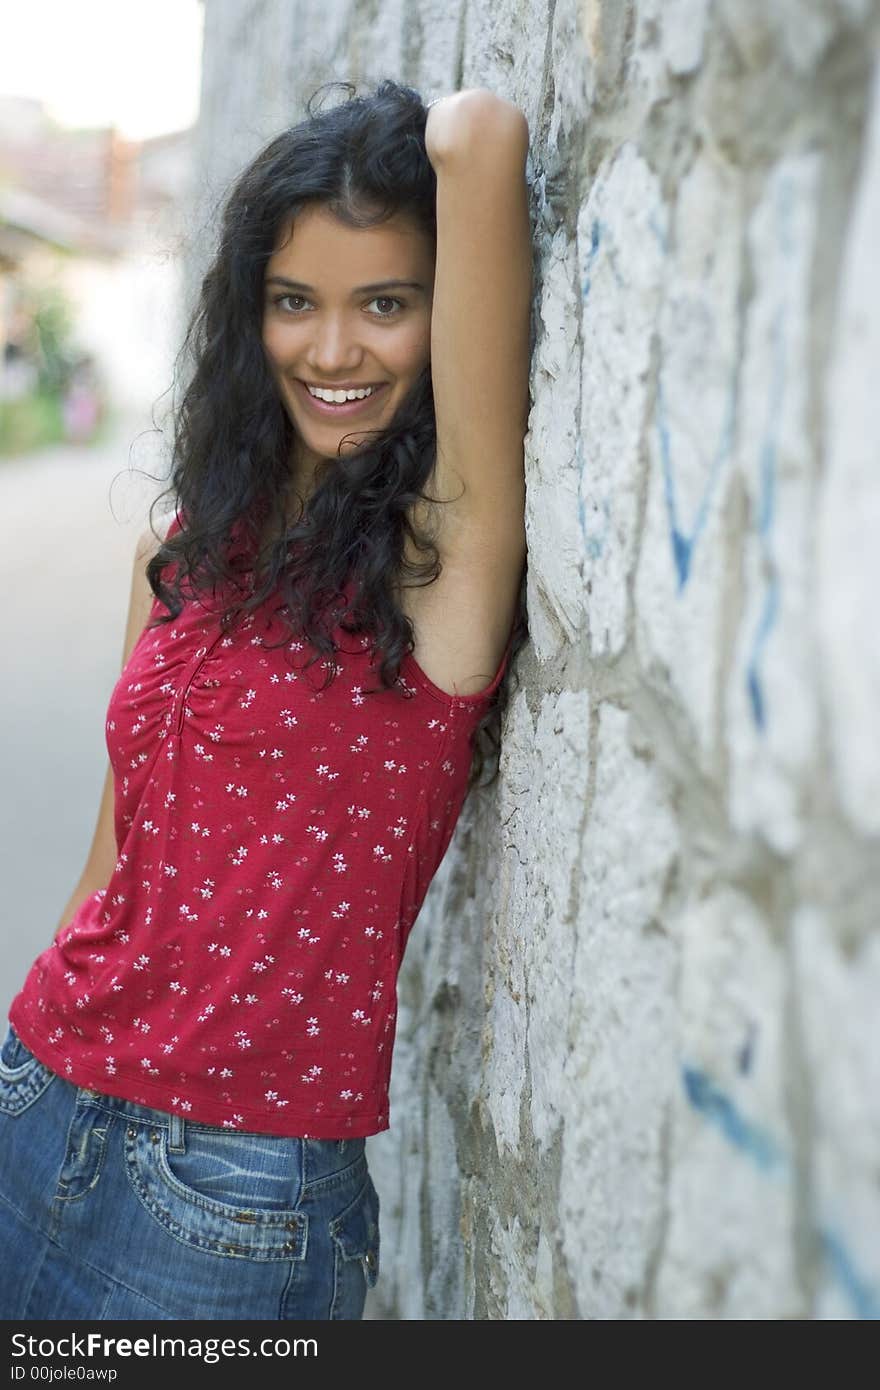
(322,1153)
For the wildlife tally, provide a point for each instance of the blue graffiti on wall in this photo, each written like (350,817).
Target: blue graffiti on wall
(593,542)
(706,1096)
(860,1293)
(596,230)
(757,1144)
(768,461)
(684,543)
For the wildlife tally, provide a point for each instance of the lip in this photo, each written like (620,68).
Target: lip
(339,412)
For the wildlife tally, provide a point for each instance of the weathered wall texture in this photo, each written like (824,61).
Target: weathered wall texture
(638,1065)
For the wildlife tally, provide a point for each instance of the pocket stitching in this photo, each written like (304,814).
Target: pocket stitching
(148,1171)
(7,1072)
(21,1086)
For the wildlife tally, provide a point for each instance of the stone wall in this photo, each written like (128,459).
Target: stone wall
(637,1072)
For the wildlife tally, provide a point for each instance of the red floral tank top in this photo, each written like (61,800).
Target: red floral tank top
(275,844)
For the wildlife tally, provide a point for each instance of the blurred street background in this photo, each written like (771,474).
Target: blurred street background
(95,169)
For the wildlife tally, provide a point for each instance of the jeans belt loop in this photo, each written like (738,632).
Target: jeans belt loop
(176,1135)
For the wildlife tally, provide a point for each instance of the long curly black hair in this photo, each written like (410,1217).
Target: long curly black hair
(365,160)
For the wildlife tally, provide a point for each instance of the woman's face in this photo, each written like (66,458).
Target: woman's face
(333,318)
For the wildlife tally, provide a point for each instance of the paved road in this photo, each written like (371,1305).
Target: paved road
(71,516)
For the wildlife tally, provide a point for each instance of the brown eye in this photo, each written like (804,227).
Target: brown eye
(387,299)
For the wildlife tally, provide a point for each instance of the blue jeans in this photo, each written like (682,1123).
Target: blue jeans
(110,1209)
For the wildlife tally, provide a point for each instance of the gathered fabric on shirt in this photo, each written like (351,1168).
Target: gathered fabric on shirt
(275,844)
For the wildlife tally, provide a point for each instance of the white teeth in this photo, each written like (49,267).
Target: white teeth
(337,397)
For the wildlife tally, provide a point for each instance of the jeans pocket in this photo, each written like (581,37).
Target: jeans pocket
(355,1233)
(23,1077)
(230,1194)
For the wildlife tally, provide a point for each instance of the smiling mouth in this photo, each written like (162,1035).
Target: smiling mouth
(345,408)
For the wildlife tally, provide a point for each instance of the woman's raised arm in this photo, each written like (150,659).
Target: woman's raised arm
(480,320)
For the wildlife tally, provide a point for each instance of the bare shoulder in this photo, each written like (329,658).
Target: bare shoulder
(141,595)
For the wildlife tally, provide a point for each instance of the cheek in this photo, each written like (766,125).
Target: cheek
(413,349)
(280,341)
(273,344)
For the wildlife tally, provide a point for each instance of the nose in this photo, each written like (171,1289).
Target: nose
(332,350)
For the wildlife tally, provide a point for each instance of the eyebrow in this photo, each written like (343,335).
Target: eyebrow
(361,289)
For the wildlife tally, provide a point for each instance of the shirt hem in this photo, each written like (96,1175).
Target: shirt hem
(202,1109)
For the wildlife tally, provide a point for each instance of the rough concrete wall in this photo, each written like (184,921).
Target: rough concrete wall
(637,1069)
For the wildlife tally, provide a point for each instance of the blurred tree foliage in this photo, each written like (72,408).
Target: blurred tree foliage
(53,322)
(36,418)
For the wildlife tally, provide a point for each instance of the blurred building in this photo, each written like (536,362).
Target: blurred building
(98,216)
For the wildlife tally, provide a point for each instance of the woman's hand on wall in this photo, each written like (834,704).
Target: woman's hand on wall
(474,113)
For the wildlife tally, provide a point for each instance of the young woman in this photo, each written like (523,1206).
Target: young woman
(191,1068)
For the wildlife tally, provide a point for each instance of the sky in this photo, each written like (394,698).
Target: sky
(135,64)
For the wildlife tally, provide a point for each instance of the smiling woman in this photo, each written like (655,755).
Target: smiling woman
(192,1067)
(325,334)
